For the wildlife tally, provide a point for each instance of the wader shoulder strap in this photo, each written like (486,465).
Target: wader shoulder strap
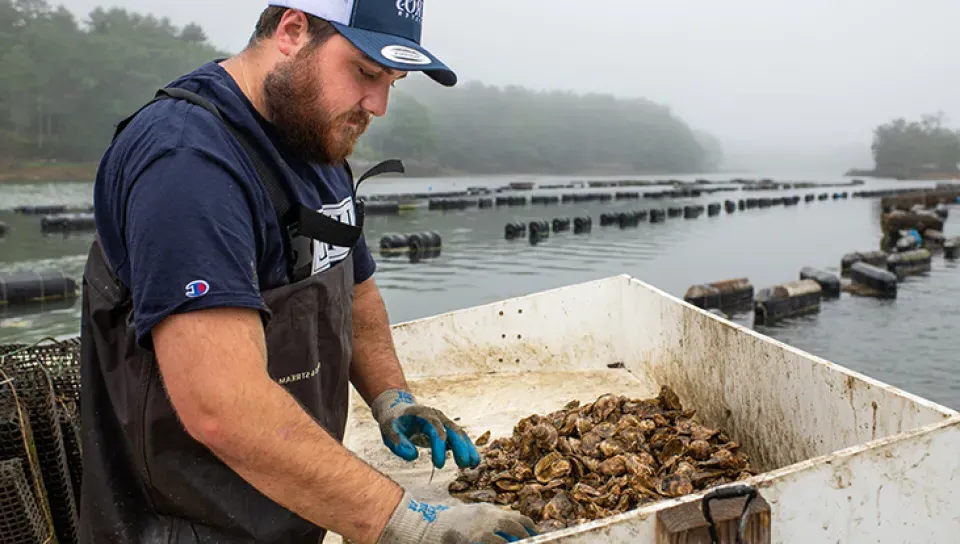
(297,219)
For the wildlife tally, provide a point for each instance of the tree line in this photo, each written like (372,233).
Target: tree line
(67,82)
(905,148)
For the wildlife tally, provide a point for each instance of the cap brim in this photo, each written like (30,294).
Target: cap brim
(378,46)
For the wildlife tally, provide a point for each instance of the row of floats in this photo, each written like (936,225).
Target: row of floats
(679,187)
(875,273)
(56,218)
(539,229)
(521,200)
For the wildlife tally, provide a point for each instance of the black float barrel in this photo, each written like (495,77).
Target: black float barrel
(26,287)
(43,209)
(69,222)
(829,283)
(394,243)
(951,248)
(582,225)
(882,282)
(787,300)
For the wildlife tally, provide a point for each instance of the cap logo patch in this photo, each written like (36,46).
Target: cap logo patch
(404,55)
(197,288)
(410,9)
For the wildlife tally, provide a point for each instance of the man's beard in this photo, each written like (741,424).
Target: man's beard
(293,98)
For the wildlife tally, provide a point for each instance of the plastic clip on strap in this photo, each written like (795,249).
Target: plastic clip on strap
(729,492)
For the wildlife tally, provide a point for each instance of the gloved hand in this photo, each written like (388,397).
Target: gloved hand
(417,522)
(404,423)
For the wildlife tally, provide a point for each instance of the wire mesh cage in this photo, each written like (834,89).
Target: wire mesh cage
(21,519)
(43,384)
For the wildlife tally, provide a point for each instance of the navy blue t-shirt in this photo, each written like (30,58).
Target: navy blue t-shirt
(183,217)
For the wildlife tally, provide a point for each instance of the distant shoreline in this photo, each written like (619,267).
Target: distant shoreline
(922,175)
(80,172)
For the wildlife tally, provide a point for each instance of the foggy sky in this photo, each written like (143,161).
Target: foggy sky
(759,74)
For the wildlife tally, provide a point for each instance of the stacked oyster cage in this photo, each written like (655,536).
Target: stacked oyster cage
(40,461)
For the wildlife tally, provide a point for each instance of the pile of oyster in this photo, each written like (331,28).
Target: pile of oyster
(587,462)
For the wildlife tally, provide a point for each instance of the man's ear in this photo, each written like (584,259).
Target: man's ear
(292,34)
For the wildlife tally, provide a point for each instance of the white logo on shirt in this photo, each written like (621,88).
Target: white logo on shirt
(326,255)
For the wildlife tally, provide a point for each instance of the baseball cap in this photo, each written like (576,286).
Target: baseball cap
(388,31)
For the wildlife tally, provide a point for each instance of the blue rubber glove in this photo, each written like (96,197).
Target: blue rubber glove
(404,425)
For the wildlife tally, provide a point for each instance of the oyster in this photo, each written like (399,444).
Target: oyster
(590,461)
(551,467)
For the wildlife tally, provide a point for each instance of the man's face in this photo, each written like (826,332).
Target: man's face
(323,98)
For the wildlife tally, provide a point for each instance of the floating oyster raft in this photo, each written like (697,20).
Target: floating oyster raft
(588,462)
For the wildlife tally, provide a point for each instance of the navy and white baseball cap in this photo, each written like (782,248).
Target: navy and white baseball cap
(388,31)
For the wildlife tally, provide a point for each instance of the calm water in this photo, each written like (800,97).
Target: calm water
(911,342)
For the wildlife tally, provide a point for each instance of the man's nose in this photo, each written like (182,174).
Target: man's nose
(375,101)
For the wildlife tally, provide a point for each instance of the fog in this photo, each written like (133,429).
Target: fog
(777,82)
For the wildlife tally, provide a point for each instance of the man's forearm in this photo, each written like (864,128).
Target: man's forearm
(213,364)
(288,457)
(375,366)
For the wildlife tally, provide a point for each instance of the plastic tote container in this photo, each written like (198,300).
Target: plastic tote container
(841,457)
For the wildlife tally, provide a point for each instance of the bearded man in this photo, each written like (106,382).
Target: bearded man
(229,303)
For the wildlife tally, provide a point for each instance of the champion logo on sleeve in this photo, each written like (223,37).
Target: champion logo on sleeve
(197,288)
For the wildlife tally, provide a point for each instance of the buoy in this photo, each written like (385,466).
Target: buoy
(692,212)
(42,286)
(951,248)
(561,224)
(628,219)
(829,283)
(70,222)
(727,295)
(582,225)
(394,243)
(909,263)
(43,209)
(869,280)
(713,210)
(425,245)
(514,230)
(787,300)
(875,258)
(540,229)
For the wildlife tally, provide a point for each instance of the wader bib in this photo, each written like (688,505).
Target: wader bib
(145,479)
